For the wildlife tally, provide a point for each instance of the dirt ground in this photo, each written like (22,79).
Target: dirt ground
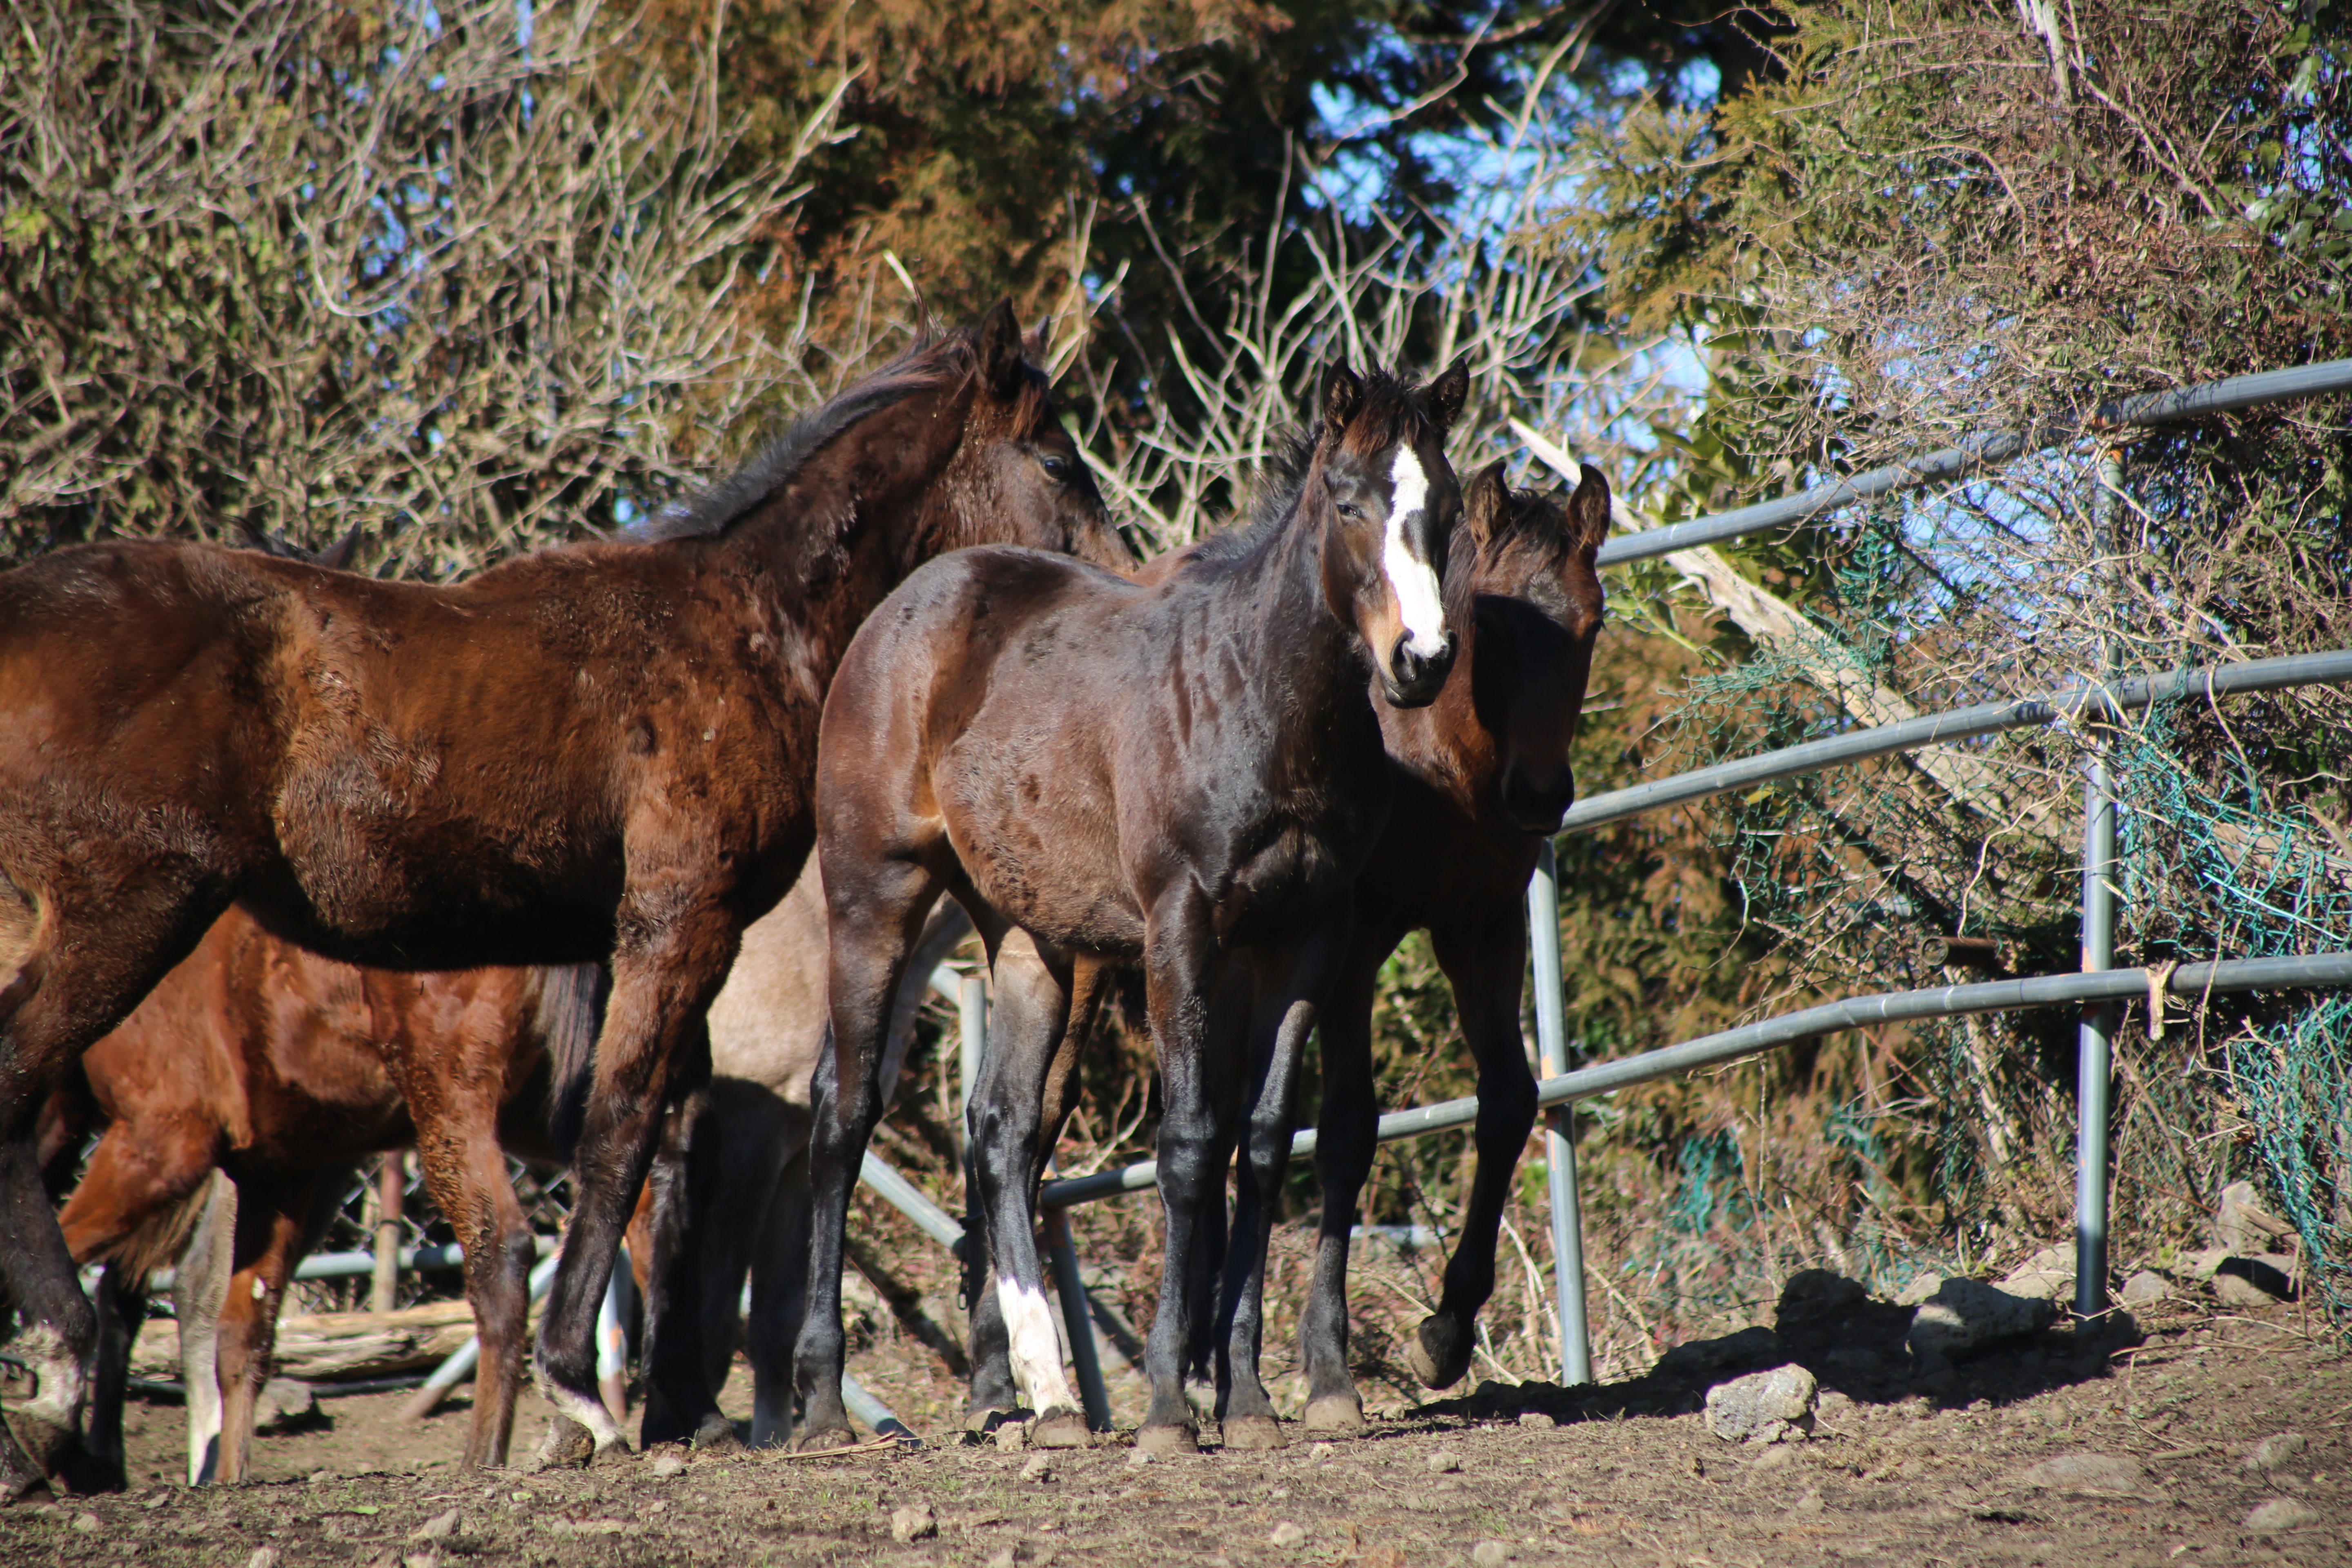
(1954,1468)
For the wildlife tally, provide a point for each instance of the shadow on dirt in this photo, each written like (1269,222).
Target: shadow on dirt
(1852,1344)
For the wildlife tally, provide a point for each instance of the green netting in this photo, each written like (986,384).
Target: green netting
(2247,875)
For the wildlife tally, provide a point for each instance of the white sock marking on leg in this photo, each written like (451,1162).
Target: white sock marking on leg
(1036,1350)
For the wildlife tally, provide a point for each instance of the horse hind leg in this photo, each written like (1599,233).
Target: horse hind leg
(199,1292)
(1347,1142)
(780,1265)
(271,1222)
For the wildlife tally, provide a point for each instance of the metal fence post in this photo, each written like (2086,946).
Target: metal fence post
(1559,1123)
(1077,1319)
(2093,1057)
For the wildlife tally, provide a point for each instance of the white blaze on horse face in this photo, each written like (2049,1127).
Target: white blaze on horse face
(1037,1351)
(1413,582)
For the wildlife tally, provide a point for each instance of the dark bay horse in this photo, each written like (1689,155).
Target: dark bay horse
(1481,775)
(1168,774)
(598,752)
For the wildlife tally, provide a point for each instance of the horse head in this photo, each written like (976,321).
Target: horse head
(1017,476)
(1527,587)
(1389,501)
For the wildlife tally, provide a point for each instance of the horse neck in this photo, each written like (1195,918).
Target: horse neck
(845,529)
(1446,744)
(1292,629)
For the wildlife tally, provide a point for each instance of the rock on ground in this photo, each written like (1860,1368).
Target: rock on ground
(2243,1223)
(2145,1289)
(2047,1275)
(2085,1473)
(2279,1513)
(2275,1450)
(1287,1535)
(1966,1315)
(914,1522)
(1763,1406)
(2255,1281)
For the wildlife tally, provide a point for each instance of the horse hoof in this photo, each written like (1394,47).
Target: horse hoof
(1336,1416)
(1061,1429)
(715,1438)
(1175,1437)
(826,1440)
(984,1419)
(1254,1433)
(568,1446)
(21,1482)
(1442,1364)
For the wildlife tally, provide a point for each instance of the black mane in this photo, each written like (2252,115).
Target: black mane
(1388,413)
(929,362)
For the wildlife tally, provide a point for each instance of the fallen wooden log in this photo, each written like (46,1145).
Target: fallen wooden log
(329,1347)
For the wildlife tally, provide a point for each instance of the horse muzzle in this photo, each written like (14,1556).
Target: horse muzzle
(1538,811)
(1410,679)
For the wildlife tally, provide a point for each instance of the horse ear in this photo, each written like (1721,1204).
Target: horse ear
(1588,510)
(1443,398)
(1485,504)
(337,557)
(1342,394)
(1000,346)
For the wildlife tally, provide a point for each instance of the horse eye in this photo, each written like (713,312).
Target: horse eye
(1350,509)
(1055,468)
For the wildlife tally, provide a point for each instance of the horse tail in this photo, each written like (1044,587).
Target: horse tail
(571,1015)
(157,1241)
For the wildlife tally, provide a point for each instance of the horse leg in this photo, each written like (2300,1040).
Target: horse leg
(1348,1138)
(668,964)
(779,1267)
(122,1308)
(700,1229)
(874,920)
(1181,964)
(199,1292)
(465,1169)
(1004,1123)
(1291,984)
(1483,965)
(62,988)
(272,1217)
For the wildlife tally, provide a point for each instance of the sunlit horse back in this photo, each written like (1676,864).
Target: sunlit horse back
(601,752)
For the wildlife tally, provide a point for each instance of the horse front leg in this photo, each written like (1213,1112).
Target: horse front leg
(666,967)
(1181,963)
(1288,993)
(1483,965)
(1347,1138)
(199,1294)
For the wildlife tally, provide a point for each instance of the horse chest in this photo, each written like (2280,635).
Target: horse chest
(1283,882)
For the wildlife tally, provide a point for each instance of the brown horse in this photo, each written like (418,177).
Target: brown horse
(600,752)
(1171,774)
(1481,775)
(281,1068)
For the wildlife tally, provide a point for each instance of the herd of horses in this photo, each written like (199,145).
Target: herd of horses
(296,865)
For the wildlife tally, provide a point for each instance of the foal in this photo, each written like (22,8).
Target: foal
(1481,776)
(1169,773)
(598,752)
